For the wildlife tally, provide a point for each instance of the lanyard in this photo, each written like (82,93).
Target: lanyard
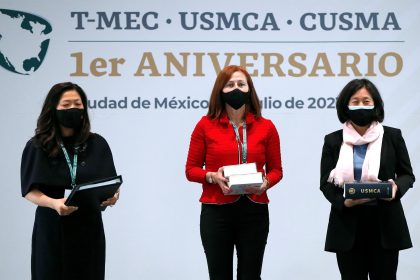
(73,168)
(243,144)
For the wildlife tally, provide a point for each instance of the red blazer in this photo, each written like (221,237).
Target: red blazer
(213,145)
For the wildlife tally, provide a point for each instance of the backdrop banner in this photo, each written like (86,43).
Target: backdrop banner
(148,68)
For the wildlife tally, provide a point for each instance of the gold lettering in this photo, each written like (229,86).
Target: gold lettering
(398,64)
(171,60)
(276,65)
(114,66)
(370,190)
(243,62)
(321,57)
(151,65)
(198,65)
(370,63)
(79,65)
(270,64)
(346,64)
(300,66)
(216,63)
(98,63)
(98,66)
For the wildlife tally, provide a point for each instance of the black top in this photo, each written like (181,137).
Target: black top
(52,175)
(66,247)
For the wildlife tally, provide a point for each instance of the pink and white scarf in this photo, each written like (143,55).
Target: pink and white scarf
(343,171)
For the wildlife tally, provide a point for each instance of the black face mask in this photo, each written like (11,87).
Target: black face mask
(235,98)
(70,118)
(361,117)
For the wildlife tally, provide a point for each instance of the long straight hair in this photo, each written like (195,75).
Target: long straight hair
(48,132)
(216,104)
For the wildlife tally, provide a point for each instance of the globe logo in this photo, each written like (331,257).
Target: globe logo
(24,40)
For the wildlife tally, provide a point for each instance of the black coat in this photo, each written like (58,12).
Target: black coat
(395,164)
(66,247)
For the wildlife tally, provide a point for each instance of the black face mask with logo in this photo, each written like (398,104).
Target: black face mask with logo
(70,118)
(361,116)
(235,98)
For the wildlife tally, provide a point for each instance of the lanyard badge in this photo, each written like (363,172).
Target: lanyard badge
(73,169)
(242,143)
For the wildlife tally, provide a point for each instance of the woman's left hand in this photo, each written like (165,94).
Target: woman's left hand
(258,190)
(112,200)
(394,190)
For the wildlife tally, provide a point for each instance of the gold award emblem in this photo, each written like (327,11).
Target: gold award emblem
(352,191)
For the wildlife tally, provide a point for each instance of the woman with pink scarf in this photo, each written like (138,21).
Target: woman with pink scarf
(365,234)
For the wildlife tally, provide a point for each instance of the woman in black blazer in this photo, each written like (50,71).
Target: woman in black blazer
(365,234)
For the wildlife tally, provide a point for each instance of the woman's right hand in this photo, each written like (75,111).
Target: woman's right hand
(61,208)
(219,179)
(40,199)
(353,202)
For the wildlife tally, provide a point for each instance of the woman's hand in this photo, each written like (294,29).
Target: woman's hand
(394,190)
(218,178)
(353,202)
(62,210)
(258,190)
(40,199)
(112,200)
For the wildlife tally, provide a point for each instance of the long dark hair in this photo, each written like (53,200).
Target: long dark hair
(47,132)
(217,106)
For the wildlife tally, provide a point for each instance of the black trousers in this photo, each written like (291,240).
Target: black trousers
(243,224)
(367,257)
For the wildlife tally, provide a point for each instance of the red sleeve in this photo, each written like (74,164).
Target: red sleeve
(273,167)
(196,155)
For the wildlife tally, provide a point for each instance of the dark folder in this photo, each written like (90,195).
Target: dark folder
(367,190)
(92,194)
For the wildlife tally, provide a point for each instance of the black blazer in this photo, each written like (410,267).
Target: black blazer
(395,164)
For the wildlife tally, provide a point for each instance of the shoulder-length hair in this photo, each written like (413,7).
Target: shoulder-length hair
(47,132)
(349,90)
(216,104)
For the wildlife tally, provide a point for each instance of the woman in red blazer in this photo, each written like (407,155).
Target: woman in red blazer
(365,234)
(233,132)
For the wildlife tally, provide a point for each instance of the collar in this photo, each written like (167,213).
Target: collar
(249,118)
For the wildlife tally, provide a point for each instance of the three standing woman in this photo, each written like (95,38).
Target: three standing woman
(365,234)
(67,243)
(233,132)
